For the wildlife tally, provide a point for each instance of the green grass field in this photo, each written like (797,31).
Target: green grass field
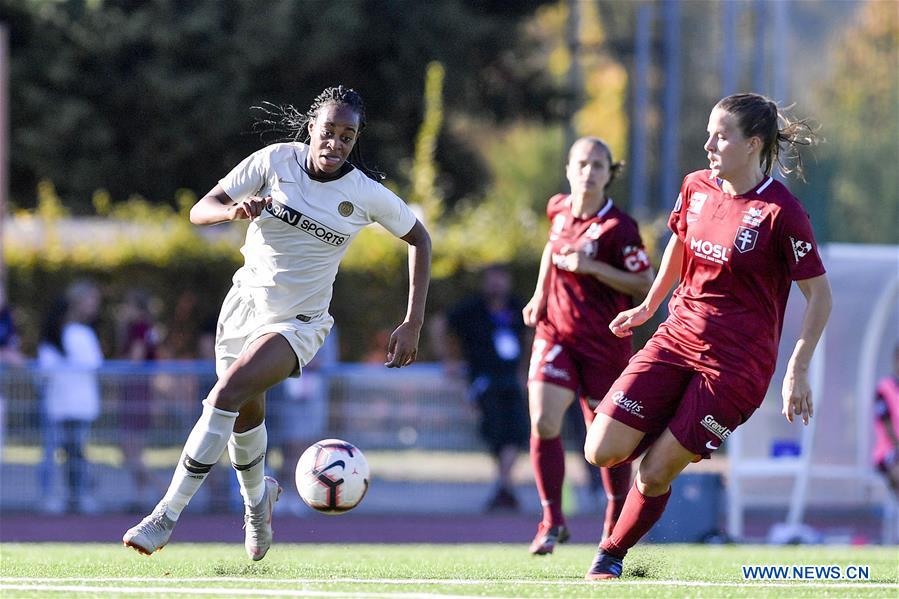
(183,570)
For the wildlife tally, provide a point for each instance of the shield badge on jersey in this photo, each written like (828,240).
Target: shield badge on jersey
(745,239)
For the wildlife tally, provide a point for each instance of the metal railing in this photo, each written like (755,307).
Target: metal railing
(147,411)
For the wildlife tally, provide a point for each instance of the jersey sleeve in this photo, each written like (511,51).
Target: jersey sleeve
(677,221)
(248,177)
(389,211)
(797,243)
(631,251)
(554,206)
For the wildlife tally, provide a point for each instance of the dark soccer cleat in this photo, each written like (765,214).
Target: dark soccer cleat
(604,566)
(547,538)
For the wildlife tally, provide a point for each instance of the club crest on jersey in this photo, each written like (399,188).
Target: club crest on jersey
(593,231)
(752,217)
(297,219)
(745,239)
(800,248)
(713,252)
(345,208)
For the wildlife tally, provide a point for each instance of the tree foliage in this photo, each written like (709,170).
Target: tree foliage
(861,127)
(147,97)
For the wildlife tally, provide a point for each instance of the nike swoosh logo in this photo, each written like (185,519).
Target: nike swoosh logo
(709,445)
(280,180)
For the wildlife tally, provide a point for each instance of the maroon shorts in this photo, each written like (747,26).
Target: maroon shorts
(588,376)
(658,391)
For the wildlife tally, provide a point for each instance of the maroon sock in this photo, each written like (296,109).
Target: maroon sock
(616,481)
(640,513)
(548,461)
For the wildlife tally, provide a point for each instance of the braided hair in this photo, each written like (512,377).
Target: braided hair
(293,125)
(757,116)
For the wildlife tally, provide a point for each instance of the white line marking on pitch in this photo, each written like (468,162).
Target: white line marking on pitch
(219,592)
(465,581)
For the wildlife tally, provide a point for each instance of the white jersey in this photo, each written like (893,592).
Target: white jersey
(293,249)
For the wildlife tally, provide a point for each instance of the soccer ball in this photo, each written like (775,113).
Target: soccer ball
(332,476)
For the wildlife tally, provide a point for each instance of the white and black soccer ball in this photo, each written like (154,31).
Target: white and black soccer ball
(332,476)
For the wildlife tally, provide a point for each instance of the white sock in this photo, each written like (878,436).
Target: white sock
(247,452)
(205,445)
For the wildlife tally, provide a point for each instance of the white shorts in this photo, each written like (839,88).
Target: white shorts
(240,325)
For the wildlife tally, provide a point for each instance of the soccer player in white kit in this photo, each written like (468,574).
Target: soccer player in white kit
(305,203)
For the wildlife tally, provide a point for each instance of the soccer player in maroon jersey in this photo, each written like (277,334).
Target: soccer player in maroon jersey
(592,264)
(740,239)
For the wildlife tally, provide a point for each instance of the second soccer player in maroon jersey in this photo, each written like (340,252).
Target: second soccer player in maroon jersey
(592,264)
(740,240)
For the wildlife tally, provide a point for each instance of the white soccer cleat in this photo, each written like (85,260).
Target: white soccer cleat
(258,521)
(152,533)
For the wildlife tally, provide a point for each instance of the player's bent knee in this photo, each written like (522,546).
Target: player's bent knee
(229,395)
(604,459)
(604,453)
(544,426)
(545,430)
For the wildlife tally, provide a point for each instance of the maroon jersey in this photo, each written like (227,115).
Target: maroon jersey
(142,331)
(741,254)
(579,307)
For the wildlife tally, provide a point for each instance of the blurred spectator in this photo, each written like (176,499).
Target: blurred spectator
(886,425)
(139,343)
(487,332)
(376,353)
(297,415)
(206,339)
(182,331)
(9,340)
(9,355)
(68,356)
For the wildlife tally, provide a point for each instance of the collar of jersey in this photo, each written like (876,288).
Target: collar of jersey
(345,169)
(757,190)
(602,211)
(605,209)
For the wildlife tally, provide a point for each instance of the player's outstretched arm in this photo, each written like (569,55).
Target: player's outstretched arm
(218,207)
(402,348)
(669,275)
(796,392)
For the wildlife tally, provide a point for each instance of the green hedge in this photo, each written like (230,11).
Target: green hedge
(155,248)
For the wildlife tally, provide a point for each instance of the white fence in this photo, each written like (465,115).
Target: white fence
(827,463)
